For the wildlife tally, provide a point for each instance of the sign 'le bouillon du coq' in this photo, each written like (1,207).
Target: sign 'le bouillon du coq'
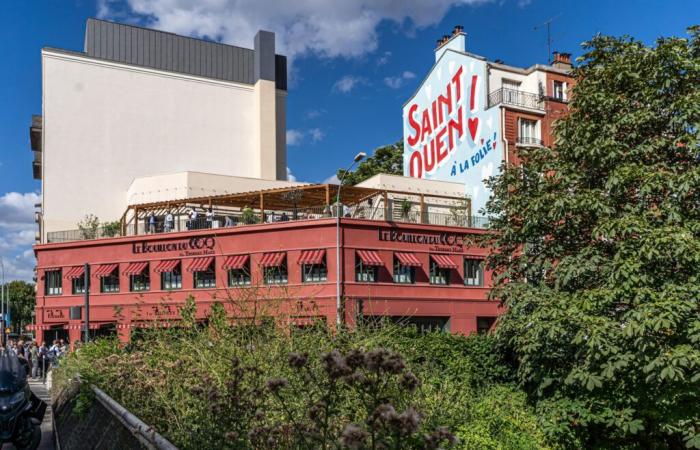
(450,134)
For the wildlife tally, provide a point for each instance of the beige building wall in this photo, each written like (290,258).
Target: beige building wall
(106,124)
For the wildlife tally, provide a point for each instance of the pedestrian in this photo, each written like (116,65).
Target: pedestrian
(193,219)
(34,359)
(169,222)
(151,222)
(210,218)
(229,222)
(43,356)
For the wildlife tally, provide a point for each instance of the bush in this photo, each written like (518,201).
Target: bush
(218,386)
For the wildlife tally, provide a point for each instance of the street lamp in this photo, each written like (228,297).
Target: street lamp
(338,304)
(3,294)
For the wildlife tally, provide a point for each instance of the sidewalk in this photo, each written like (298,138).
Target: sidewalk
(40,391)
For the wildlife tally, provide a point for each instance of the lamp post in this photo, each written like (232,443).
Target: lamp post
(338,303)
(3,300)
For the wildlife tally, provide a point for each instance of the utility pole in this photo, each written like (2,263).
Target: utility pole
(86,275)
(3,290)
(548,24)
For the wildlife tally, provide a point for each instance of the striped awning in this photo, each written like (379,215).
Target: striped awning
(74,272)
(370,258)
(104,269)
(408,259)
(235,262)
(167,266)
(200,264)
(135,268)
(309,257)
(444,261)
(272,259)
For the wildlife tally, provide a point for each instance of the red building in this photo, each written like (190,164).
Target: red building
(424,273)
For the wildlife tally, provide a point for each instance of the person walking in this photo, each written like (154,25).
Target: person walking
(34,359)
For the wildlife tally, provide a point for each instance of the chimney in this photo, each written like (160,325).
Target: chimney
(455,41)
(562,60)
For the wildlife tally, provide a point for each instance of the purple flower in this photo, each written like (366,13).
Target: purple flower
(353,437)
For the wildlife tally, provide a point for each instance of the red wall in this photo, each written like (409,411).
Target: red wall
(295,301)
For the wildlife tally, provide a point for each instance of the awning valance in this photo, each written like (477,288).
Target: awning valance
(444,261)
(74,272)
(370,258)
(236,262)
(408,259)
(167,265)
(272,259)
(200,264)
(104,269)
(135,268)
(309,257)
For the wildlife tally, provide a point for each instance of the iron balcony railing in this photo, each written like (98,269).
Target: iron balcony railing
(516,98)
(227,219)
(529,141)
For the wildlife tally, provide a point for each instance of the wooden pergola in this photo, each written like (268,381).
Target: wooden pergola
(278,199)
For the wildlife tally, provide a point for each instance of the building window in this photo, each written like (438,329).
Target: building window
(171,280)
(140,282)
(53,282)
(529,132)
(558,90)
(484,324)
(78,285)
(402,273)
(438,275)
(473,272)
(110,283)
(276,274)
(365,273)
(313,273)
(239,277)
(205,278)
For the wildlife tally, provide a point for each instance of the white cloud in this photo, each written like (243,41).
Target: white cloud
(333,179)
(17,231)
(398,81)
(329,29)
(316,134)
(348,83)
(314,113)
(384,58)
(294,137)
(290,175)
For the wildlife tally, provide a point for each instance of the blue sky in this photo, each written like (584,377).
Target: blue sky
(354,63)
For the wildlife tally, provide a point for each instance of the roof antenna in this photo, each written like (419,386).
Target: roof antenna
(548,24)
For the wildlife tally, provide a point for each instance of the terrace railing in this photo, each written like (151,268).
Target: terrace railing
(515,97)
(229,219)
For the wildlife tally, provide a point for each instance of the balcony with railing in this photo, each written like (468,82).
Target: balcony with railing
(529,141)
(282,205)
(514,97)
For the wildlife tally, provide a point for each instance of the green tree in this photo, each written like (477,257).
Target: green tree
(386,159)
(598,252)
(21,303)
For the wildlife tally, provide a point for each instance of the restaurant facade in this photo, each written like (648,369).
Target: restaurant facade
(419,273)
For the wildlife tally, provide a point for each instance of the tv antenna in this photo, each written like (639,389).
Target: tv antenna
(548,24)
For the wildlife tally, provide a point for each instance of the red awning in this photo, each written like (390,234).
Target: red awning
(135,268)
(272,259)
(309,257)
(235,262)
(370,258)
(200,264)
(444,261)
(104,270)
(167,266)
(74,272)
(408,259)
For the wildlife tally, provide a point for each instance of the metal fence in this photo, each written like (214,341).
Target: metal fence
(230,219)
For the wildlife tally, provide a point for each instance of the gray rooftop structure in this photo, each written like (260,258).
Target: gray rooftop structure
(161,50)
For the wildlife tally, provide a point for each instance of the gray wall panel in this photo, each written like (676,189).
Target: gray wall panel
(166,51)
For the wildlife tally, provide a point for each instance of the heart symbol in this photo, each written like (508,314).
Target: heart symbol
(494,145)
(473,124)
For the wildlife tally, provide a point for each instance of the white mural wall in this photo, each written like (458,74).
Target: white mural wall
(449,132)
